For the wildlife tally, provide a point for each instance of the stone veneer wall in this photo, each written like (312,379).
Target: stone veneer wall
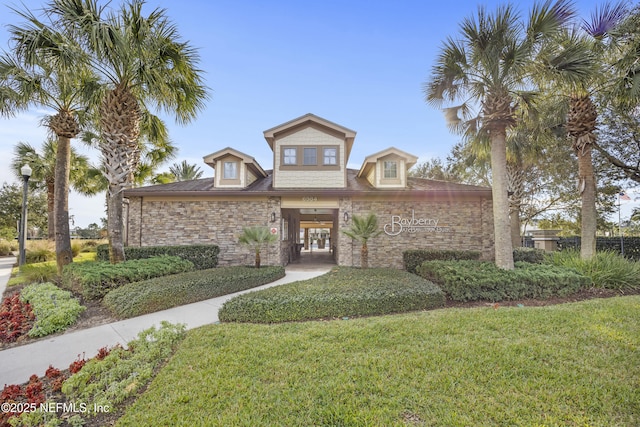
(470,222)
(220,222)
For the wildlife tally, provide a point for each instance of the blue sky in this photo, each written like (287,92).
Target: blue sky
(360,64)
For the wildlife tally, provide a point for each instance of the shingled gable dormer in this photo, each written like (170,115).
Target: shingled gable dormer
(234,169)
(310,152)
(387,168)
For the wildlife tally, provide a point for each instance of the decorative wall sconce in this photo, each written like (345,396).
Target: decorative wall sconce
(273,217)
(346,217)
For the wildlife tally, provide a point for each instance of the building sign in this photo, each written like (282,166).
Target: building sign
(413,224)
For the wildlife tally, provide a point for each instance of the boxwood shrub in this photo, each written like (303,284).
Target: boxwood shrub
(342,292)
(202,256)
(94,279)
(475,280)
(161,293)
(414,257)
(55,309)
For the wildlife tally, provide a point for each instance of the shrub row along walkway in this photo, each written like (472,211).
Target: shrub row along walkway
(18,363)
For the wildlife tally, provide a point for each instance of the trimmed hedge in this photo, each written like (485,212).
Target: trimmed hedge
(203,257)
(94,279)
(55,309)
(530,255)
(342,292)
(631,245)
(161,293)
(414,257)
(475,280)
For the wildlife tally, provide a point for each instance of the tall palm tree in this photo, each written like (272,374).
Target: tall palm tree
(489,66)
(43,165)
(256,237)
(363,229)
(185,171)
(30,77)
(142,61)
(578,68)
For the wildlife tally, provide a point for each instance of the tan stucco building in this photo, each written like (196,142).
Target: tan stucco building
(310,192)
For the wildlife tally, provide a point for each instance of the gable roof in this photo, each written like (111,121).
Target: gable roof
(371,160)
(303,121)
(251,163)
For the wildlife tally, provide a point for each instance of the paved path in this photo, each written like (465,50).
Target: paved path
(17,364)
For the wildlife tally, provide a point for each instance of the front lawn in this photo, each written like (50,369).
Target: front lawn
(571,364)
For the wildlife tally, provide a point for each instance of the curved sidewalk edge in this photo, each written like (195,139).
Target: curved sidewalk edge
(6,265)
(17,364)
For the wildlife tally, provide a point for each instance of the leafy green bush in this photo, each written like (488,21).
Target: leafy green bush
(110,380)
(203,257)
(55,309)
(413,258)
(39,254)
(94,279)
(606,269)
(530,255)
(475,280)
(341,292)
(161,293)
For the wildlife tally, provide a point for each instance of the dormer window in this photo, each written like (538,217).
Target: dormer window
(390,169)
(230,170)
(331,156)
(290,156)
(310,156)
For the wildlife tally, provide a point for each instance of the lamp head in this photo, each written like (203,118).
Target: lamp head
(26,170)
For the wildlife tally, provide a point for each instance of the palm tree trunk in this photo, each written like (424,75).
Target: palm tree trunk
(502,226)
(258,261)
(115,223)
(64,255)
(589,214)
(51,217)
(364,255)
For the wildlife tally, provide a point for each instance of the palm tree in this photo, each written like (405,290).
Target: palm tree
(141,60)
(185,172)
(489,66)
(363,229)
(43,165)
(30,77)
(583,71)
(256,237)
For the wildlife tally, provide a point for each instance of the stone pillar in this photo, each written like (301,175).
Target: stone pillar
(546,240)
(344,243)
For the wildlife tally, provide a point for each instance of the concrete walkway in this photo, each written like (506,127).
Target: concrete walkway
(17,364)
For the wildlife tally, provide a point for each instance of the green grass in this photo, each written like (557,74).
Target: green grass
(43,271)
(574,364)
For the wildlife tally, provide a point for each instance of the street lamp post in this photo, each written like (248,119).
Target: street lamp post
(26,173)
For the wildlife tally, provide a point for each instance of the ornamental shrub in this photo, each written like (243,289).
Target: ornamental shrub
(202,256)
(161,293)
(530,255)
(414,257)
(54,308)
(607,269)
(342,292)
(475,280)
(94,279)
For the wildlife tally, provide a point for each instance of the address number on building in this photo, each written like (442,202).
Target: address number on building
(310,199)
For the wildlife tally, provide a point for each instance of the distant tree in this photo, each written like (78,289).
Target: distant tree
(256,237)
(185,171)
(363,229)
(11,208)
(43,165)
(434,169)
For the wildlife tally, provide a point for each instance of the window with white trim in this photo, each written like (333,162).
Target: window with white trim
(330,156)
(289,156)
(230,170)
(390,169)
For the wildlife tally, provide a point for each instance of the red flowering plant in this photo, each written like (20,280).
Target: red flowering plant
(16,318)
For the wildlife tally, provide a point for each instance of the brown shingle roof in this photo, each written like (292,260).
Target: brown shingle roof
(355,185)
